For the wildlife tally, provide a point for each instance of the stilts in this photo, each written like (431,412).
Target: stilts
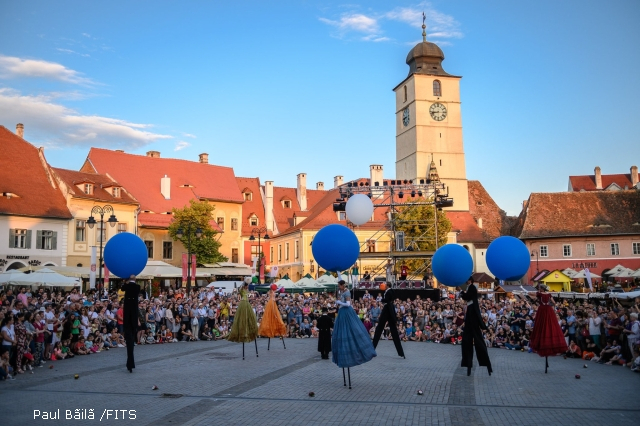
(243,351)
(344,378)
(256,342)
(546,364)
(285,346)
(269,344)
(469,371)
(349,373)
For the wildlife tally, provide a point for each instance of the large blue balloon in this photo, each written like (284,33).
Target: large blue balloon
(335,248)
(508,258)
(125,254)
(452,265)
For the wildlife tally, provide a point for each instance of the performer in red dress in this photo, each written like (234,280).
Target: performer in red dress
(547,338)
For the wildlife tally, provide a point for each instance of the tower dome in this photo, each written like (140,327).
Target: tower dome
(425,57)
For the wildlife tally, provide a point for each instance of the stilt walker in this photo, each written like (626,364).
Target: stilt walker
(547,338)
(325,324)
(472,333)
(272,324)
(130,318)
(350,343)
(388,315)
(245,325)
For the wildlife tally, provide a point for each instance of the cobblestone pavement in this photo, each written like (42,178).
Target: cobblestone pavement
(206,383)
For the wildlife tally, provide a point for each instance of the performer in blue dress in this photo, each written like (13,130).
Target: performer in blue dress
(350,343)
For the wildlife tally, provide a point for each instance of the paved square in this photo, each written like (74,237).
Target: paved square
(204,383)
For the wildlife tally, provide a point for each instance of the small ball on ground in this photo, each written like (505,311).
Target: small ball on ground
(577,376)
(77,376)
(585,366)
(420,392)
(51,367)
(312,394)
(154,387)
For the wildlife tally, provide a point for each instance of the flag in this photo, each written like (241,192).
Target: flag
(588,275)
(185,267)
(106,277)
(193,267)
(92,273)
(261,271)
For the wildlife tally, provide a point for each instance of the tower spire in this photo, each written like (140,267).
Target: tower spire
(424,27)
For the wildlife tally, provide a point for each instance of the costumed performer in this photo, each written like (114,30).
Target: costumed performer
(472,332)
(350,343)
(324,324)
(547,338)
(272,324)
(245,325)
(130,318)
(388,315)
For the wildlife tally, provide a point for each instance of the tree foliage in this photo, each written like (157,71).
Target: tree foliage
(417,222)
(197,215)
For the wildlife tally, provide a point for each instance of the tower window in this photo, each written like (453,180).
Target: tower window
(437,91)
(405,94)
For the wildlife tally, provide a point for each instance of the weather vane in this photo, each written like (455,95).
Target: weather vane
(424,27)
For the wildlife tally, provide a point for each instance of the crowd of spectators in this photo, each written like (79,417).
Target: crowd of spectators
(42,326)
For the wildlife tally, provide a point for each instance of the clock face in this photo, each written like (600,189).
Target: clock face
(406,118)
(438,111)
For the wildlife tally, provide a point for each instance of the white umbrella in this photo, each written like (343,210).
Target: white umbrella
(327,279)
(569,272)
(158,268)
(583,275)
(12,276)
(47,278)
(636,273)
(307,282)
(624,273)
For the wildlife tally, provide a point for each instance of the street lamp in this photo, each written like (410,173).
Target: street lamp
(180,235)
(102,211)
(311,267)
(258,232)
(534,252)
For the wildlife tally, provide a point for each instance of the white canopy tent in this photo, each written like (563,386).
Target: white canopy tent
(570,272)
(158,268)
(583,275)
(42,278)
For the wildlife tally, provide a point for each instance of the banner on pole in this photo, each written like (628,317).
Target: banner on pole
(185,267)
(106,277)
(262,272)
(588,275)
(193,267)
(274,271)
(92,273)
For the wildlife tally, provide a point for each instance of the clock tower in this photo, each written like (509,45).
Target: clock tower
(429,123)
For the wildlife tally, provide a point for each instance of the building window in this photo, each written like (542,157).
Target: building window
(149,245)
(405,94)
(286,251)
(167,249)
(116,192)
(88,188)
(544,251)
(234,224)
(19,238)
(342,215)
(591,249)
(46,240)
(297,249)
(371,246)
(220,221)
(271,254)
(286,204)
(234,255)
(248,196)
(437,90)
(122,227)
(615,249)
(101,232)
(279,253)
(566,250)
(255,250)
(253,220)
(636,248)
(81,231)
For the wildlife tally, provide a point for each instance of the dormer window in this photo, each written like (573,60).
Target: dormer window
(253,220)
(88,188)
(116,192)
(286,204)
(248,196)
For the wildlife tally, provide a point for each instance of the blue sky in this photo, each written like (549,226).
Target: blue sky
(273,89)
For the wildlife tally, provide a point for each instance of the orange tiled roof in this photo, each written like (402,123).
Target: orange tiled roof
(588,182)
(153,220)
(22,172)
(72,178)
(189,179)
(255,206)
(564,214)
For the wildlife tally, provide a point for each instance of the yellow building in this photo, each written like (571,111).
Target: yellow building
(86,195)
(556,281)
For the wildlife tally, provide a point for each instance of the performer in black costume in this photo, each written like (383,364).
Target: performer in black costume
(388,314)
(130,308)
(472,333)
(324,325)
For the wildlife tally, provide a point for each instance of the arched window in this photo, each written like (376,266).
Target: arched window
(437,90)
(405,94)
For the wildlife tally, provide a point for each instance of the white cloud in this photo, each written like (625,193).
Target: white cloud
(353,22)
(180,145)
(189,135)
(56,125)
(73,52)
(86,35)
(14,67)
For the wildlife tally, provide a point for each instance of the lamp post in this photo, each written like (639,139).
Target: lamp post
(102,211)
(258,232)
(180,235)
(535,253)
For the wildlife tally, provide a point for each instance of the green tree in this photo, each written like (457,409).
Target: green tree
(197,215)
(417,222)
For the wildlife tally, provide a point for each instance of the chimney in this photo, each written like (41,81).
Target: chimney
(634,175)
(525,204)
(204,158)
(480,222)
(153,154)
(337,181)
(302,191)
(165,186)
(320,186)
(376,175)
(598,177)
(20,130)
(268,205)
(119,150)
